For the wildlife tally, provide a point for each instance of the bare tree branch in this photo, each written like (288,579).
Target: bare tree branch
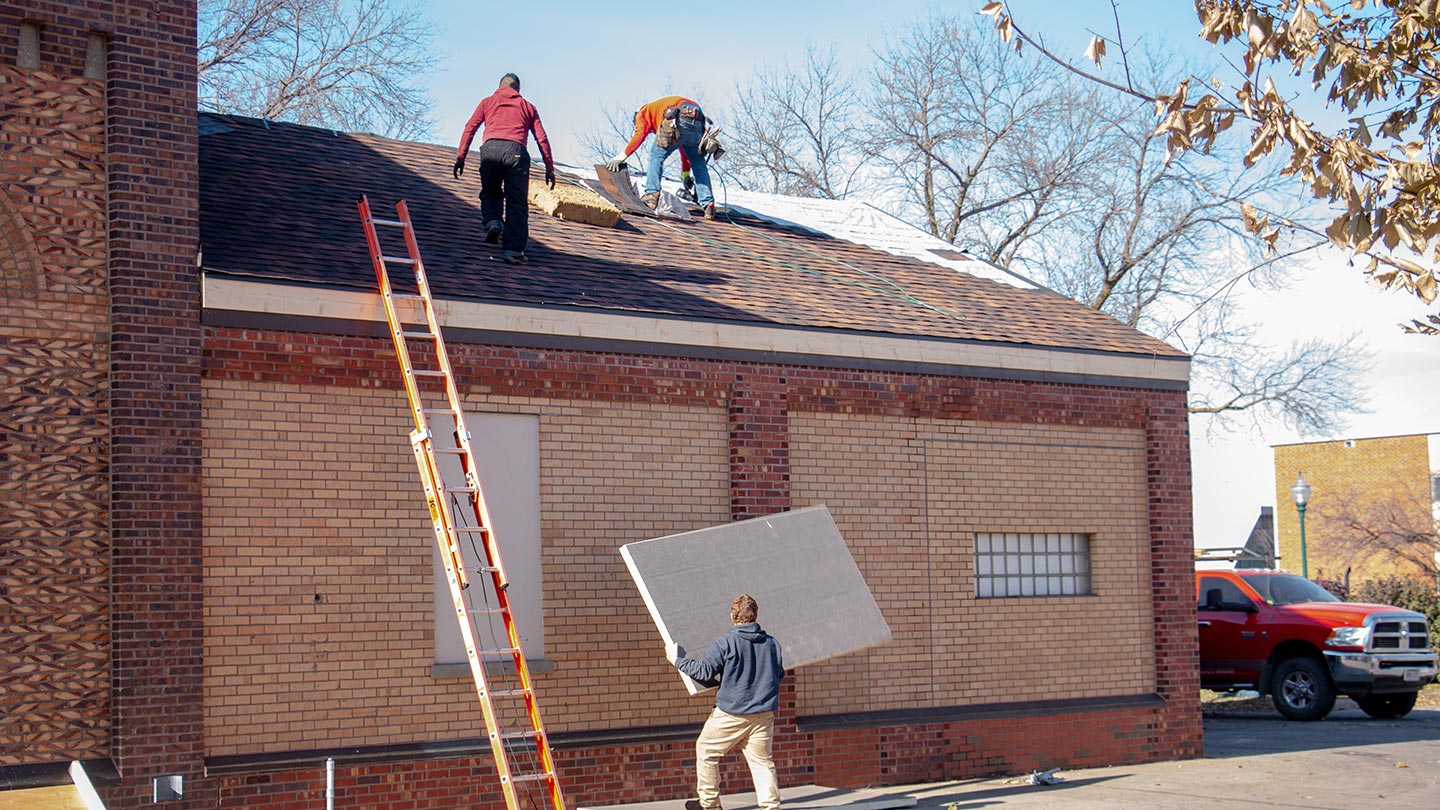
(796,132)
(1389,523)
(345,65)
(1049,176)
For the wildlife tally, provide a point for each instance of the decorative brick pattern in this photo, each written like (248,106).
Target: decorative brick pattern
(54,422)
(54,584)
(19,262)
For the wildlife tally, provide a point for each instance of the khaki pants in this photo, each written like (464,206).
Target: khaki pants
(722,732)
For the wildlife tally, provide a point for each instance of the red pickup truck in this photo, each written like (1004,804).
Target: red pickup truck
(1285,636)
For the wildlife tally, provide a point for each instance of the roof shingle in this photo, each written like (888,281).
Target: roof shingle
(277,201)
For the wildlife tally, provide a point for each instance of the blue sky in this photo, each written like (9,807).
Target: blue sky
(578,59)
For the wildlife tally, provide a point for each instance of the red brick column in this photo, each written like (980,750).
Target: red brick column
(153,187)
(759,446)
(1178,732)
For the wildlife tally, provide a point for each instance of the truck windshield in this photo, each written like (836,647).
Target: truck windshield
(1288,589)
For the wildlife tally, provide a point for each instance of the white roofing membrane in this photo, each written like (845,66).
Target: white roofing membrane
(849,220)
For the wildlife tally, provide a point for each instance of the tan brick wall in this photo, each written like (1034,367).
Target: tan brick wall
(909,496)
(1371,469)
(635,446)
(313,490)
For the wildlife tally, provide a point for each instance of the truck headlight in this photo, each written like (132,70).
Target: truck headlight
(1347,637)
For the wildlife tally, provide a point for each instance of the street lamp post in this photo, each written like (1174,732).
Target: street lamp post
(1301,493)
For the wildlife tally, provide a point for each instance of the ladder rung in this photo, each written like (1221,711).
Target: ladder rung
(426,372)
(498,651)
(528,734)
(438,410)
(462,489)
(483,569)
(533,777)
(472,529)
(407,296)
(505,693)
(449,451)
(486,610)
(426,334)
(394,223)
(397,259)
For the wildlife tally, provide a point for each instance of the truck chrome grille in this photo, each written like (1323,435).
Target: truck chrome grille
(1400,635)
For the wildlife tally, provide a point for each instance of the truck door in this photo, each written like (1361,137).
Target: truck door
(1232,646)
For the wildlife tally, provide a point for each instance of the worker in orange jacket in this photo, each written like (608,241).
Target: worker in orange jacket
(677,123)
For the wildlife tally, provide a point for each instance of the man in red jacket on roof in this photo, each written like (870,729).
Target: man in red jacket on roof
(677,123)
(509,120)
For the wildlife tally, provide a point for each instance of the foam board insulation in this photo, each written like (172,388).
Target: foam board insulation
(573,204)
(796,565)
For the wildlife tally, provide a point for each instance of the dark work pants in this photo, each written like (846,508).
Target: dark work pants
(505,183)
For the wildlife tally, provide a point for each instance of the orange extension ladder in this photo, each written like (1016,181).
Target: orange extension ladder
(521,749)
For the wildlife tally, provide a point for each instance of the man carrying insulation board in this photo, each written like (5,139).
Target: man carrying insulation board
(746,664)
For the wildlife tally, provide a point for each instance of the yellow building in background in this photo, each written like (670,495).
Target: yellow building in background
(1371,511)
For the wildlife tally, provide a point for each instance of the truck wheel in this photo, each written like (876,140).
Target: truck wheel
(1301,689)
(1387,707)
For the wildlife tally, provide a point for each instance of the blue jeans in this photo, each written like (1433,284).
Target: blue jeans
(691,130)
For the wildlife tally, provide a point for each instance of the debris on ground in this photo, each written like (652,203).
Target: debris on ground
(1049,777)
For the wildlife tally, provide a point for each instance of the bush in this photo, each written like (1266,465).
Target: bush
(1412,594)
(1336,587)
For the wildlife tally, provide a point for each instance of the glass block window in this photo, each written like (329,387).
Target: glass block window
(1031,564)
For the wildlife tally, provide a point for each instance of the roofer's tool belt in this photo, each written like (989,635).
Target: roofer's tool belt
(667,134)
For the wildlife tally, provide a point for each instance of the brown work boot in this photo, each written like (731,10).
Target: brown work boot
(709,212)
(651,200)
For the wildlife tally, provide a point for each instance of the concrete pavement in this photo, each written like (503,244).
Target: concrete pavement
(1346,762)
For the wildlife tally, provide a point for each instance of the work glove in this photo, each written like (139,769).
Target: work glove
(674,652)
(687,192)
(459,168)
(616,163)
(550,176)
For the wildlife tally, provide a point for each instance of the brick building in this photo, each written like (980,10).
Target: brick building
(1359,487)
(217,562)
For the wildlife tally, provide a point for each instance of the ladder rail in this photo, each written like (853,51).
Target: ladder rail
(447,526)
(462,434)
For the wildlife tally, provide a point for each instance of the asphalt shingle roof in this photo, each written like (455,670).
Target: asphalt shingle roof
(277,201)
